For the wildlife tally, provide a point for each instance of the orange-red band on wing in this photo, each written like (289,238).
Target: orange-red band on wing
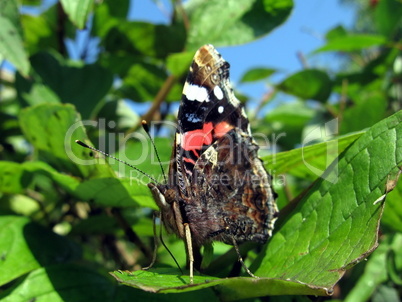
(221,129)
(196,139)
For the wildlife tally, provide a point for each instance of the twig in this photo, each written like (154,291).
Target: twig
(302,59)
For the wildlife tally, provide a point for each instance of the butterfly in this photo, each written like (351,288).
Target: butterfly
(217,187)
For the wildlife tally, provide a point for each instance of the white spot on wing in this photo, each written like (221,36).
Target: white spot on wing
(218,92)
(195,93)
(178,138)
(220,108)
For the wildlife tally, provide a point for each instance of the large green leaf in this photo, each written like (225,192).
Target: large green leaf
(116,192)
(9,10)
(387,17)
(171,281)
(231,22)
(39,32)
(26,246)
(62,283)
(333,227)
(335,224)
(52,129)
(16,177)
(11,45)
(13,178)
(308,84)
(77,11)
(82,85)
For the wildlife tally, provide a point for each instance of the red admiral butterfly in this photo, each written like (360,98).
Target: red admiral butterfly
(218,189)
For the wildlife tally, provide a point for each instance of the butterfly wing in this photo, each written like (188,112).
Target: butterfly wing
(225,190)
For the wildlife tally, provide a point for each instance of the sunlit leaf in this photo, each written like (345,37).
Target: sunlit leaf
(52,129)
(63,81)
(231,22)
(11,46)
(352,43)
(308,84)
(77,11)
(32,243)
(257,74)
(387,17)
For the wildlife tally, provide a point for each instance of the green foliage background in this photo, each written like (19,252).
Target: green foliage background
(68,217)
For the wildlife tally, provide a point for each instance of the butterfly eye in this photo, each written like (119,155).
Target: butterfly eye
(208,67)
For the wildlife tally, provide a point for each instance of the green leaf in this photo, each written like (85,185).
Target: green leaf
(52,129)
(73,282)
(171,281)
(230,22)
(257,74)
(333,227)
(114,192)
(305,162)
(308,84)
(39,32)
(392,218)
(374,274)
(119,112)
(13,178)
(386,293)
(352,42)
(387,17)
(11,46)
(64,282)
(26,246)
(82,85)
(336,32)
(369,106)
(288,121)
(292,114)
(108,15)
(335,224)
(178,63)
(141,154)
(147,39)
(144,80)
(9,10)
(16,177)
(77,11)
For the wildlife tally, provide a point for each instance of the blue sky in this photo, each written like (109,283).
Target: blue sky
(302,32)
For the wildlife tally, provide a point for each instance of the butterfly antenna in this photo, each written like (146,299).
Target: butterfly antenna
(146,129)
(115,158)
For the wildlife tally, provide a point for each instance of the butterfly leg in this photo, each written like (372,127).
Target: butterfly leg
(241,259)
(189,244)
